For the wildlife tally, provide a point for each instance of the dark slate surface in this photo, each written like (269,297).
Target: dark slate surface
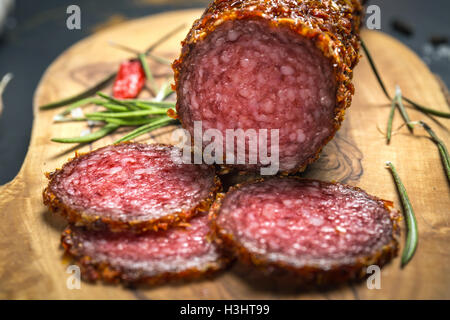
(37,34)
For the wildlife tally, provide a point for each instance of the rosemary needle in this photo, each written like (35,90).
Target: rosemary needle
(412,234)
(3,83)
(145,128)
(160,60)
(59,119)
(427,110)
(128,114)
(401,107)
(89,92)
(107,129)
(374,69)
(155,104)
(129,122)
(441,146)
(116,101)
(165,37)
(114,107)
(164,92)
(383,87)
(148,73)
(391,118)
(78,104)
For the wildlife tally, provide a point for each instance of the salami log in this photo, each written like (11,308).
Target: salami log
(321,232)
(151,257)
(278,64)
(130,186)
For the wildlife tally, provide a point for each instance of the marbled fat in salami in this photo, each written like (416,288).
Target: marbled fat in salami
(321,231)
(130,186)
(278,64)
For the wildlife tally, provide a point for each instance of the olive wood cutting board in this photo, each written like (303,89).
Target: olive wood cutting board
(31,259)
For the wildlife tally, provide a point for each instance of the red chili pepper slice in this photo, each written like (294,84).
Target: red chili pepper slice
(129,81)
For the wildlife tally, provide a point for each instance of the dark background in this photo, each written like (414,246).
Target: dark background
(36,34)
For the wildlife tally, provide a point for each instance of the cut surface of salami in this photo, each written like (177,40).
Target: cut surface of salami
(272,65)
(309,227)
(130,186)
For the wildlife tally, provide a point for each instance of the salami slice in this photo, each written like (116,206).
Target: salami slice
(322,232)
(270,65)
(151,257)
(130,186)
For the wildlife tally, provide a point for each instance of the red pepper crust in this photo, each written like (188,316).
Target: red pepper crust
(333,25)
(92,270)
(307,275)
(80,218)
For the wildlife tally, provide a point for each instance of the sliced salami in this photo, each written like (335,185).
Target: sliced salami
(151,257)
(130,186)
(270,65)
(322,232)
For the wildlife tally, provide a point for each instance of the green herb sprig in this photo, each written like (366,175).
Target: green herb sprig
(149,115)
(412,235)
(416,105)
(443,151)
(102,83)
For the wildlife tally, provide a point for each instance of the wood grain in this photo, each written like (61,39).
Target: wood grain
(31,264)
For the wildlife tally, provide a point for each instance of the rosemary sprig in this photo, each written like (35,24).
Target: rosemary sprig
(383,87)
(443,151)
(107,129)
(412,234)
(132,112)
(102,83)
